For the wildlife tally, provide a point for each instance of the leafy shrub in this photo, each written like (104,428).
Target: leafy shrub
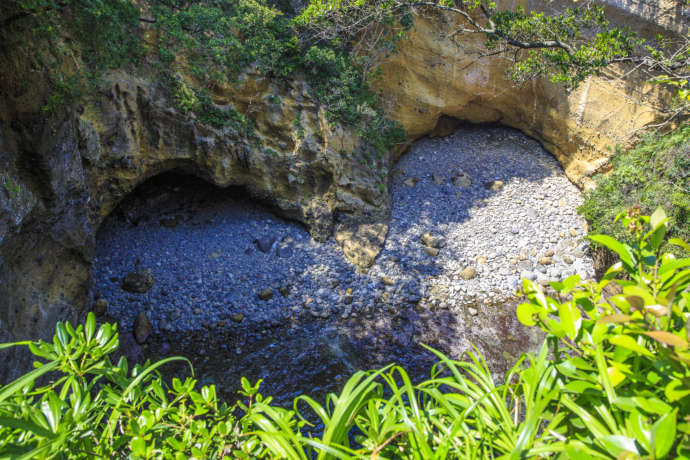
(222,38)
(610,381)
(655,173)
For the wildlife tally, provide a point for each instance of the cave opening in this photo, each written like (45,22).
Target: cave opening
(224,280)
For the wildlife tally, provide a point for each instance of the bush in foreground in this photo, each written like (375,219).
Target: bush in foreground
(656,173)
(612,379)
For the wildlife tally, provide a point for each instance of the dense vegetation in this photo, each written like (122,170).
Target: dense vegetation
(610,381)
(199,44)
(655,173)
(334,44)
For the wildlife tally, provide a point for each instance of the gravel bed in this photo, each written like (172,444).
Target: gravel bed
(472,214)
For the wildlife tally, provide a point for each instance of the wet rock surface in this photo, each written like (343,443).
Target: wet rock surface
(245,292)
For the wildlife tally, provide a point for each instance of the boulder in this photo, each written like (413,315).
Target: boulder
(142,328)
(139,281)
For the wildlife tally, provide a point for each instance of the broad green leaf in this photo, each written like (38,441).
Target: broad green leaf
(580,386)
(604,377)
(27,378)
(618,444)
(680,243)
(622,250)
(90,326)
(630,343)
(525,314)
(26,425)
(664,434)
(676,390)
(570,318)
(652,405)
(658,218)
(638,425)
(615,375)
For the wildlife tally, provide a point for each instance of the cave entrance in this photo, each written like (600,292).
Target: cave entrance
(191,255)
(223,280)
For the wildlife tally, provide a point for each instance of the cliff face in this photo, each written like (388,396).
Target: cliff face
(62,173)
(432,76)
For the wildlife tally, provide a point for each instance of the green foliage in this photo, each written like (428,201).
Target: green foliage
(610,381)
(655,173)
(106,37)
(577,58)
(185,99)
(11,188)
(623,360)
(221,38)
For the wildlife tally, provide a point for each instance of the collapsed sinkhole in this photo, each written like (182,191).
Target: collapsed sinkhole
(244,292)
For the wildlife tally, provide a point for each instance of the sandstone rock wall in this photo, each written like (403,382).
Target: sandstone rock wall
(62,174)
(432,76)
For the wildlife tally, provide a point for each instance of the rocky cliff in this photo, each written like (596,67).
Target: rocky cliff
(433,77)
(62,172)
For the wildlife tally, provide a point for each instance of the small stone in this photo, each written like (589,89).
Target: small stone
(513,261)
(462,179)
(562,202)
(545,260)
(525,264)
(438,179)
(164,325)
(139,281)
(266,294)
(468,273)
(387,280)
(164,349)
(142,328)
(573,232)
(100,306)
(411,182)
(264,243)
(284,290)
(348,291)
(494,185)
(481,259)
(237,317)
(473,311)
(430,240)
(529,275)
(523,255)
(432,252)
(284,252)
(567,259)
(549,253)
(579,253)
